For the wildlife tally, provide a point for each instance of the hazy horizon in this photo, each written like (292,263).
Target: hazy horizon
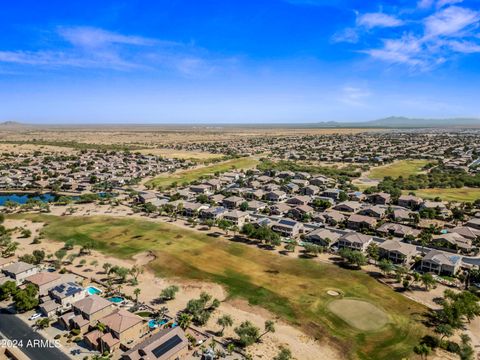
(275,61)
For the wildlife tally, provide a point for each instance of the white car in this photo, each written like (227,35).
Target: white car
(35,316)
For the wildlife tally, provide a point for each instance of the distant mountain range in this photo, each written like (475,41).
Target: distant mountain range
(404,122)
(393,122)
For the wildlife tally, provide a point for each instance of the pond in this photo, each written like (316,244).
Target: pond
(23,198)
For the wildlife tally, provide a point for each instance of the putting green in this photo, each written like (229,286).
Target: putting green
(359,314)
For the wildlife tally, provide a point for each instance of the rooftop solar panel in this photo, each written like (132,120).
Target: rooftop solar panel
(166,346)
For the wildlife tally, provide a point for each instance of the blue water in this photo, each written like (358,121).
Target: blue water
(116,299)
(92,290)
(152,323)
(23,198)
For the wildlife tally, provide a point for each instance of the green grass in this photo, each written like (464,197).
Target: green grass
(359,314)
(463,194)
(294,289)
(195,174)
(403,168)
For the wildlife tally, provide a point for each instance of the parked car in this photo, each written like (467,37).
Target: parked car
(35,316)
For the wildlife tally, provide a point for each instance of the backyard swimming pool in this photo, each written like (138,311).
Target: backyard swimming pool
(92,290)
(116,299)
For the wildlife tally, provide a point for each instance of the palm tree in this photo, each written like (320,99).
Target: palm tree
(160,314)
(136,292)
(269,327)
(106,268)
(428,280)
(224,321)
(184,320)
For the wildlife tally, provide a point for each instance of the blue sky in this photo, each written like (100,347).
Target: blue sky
(231,61)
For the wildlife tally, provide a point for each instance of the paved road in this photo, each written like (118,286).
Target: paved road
(14,328)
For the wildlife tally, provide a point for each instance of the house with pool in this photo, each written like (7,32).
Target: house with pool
(123,330)
(86,312)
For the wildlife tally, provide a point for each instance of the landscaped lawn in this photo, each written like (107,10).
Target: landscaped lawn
(403,168)
(294,289)
(463,194)
(195,174)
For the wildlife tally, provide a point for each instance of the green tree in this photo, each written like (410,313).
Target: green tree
(445,330)
(137,292)
(373,252)
(386,266)
(248,333)
(427,280)
(269,328)
(225,225)
(312,249)
(224,321)
(423,350)
(353,257)
(169,293)
(26,299)
(283,354)
(60,254)
(184,320)
(7,289)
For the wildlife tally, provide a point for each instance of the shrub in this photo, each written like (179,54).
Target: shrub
(452,347)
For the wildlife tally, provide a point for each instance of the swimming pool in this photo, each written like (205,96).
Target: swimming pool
(116,299)
(152,323)
(92,290)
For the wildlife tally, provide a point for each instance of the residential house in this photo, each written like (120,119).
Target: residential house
(397,230)
(232,202)
(275,196)
(323,237)
(86,312)
(290,188)
(19,271)
(410,201)
(441,263)
(380,198)
(238,218)
(348,206)
(357,222)
(191,209)
(311,190)
(332,193)
(287,228)
(466,232)
(401,215)
(299,212)
(354,241)
(44,281)
(333,217)
(201,189)
(373,211)
(397,252)
(123,330)
(473,223)
(299,200)
(213,213)
(453,241)
(167,344)
(256,206)
(61,298)
(356,196)
(280,209)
